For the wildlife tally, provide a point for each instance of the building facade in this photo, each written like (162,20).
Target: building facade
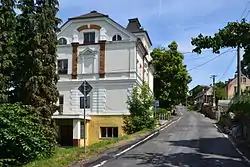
(111,58)
(231,87)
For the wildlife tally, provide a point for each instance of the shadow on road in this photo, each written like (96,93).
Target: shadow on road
(183,160)
(205,152)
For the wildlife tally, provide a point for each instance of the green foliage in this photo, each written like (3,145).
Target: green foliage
(225,119)
(23,138)
(191,108)
(141,116)
(7,52)
(220,91)
(232,35)
(163,111)
(240,105)
(30,34)
(171,77)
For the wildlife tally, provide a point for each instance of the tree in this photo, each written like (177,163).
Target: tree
(220,91)
(141,116)
(171,77)
(232,35)
(7,51)
(23,138)
(35,77)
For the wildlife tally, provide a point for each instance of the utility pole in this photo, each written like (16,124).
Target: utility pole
(238,71)
(213,77)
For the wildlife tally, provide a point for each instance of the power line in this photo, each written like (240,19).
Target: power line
(230,64)
(210,60)
(247,5)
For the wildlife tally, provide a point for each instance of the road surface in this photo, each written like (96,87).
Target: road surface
(192,142)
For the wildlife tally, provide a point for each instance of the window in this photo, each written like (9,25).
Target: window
(109,132)
(63,66)
(82,129)
(87,105)
(235,89)
(244,80)
(89,37)
(116,38)
(61,100)
(62,41)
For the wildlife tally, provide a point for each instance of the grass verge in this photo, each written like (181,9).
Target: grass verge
(66,156)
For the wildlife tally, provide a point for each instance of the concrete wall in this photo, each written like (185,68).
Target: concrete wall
(105,98)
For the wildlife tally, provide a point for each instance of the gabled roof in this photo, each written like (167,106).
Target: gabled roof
(92,14)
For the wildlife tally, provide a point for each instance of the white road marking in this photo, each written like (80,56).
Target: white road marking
(171,124)
(136,144)
(100,164)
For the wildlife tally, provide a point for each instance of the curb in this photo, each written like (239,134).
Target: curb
(102,159)
(220,129)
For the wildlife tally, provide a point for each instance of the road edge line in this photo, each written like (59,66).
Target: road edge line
(141,141)
(234,145)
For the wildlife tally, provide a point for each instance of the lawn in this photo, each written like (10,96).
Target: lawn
(66,156)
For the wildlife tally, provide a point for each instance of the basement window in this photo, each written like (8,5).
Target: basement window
(109,132)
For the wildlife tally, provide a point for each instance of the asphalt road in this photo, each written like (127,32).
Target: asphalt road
(192,142)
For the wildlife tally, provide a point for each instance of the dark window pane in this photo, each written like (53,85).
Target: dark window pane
(115,132)
(89,37)
(110,132)
(103,132)
(119,38)
(61,99)
(114,38)
(92,37)
(86,37)
(62,41)
(62,66)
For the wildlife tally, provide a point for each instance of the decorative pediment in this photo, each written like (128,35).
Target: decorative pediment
(87,51)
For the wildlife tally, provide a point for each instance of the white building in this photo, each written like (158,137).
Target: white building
(112,58)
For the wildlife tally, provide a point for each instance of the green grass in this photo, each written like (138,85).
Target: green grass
(66,156)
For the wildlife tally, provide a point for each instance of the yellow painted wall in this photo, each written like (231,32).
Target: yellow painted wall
(103,121)
(233,83)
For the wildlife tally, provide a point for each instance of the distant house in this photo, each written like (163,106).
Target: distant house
(231,87)
(205,96)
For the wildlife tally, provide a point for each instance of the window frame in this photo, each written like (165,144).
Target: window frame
(61,102)
(113,133)
(117,37)
(62,41)
(63,70)
(89,37)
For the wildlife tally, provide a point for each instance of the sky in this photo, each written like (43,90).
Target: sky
(174,20)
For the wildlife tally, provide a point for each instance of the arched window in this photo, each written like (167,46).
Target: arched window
(62,41)
(117,38)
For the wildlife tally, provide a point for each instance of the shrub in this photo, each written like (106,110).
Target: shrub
(141,116)
(22,137)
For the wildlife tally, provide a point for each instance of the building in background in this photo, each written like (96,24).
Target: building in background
(231,87)
(110,57)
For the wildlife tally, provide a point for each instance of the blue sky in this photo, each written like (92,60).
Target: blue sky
(173,20)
